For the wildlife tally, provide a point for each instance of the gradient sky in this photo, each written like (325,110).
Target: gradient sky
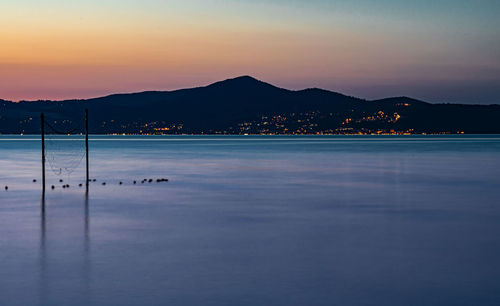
(439,50)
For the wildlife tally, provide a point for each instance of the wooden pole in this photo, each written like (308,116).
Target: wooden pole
(87,147)
(42,117)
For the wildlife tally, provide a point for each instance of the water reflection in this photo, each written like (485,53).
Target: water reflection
(43,253)
(49,244)
(86,219)
(273,224)
(86,248)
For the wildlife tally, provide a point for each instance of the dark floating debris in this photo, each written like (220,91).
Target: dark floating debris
(63,186)
(158,180)
(80,185)
(121,183)
(34,181)
(6,187)
(103,183)
(53,187)
(60,181)
(94,180)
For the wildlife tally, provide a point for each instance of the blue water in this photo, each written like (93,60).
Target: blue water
(255,221)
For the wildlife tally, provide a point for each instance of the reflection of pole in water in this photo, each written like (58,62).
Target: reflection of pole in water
(42,225)
(43,259)
(86,207)
(86,248)
(44,279)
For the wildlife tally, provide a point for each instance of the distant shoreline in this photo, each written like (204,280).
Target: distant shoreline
(255,135)
(245,105)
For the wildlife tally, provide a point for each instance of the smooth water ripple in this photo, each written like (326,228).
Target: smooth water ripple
(327,220)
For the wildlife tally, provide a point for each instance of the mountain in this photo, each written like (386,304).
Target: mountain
(246,105)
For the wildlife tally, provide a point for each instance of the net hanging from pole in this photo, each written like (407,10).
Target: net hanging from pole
(64,145)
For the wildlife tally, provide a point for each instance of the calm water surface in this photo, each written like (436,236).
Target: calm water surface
(255,221)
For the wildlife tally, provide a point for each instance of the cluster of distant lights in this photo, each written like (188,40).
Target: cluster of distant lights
(294,133)
(264,134)
(277,122)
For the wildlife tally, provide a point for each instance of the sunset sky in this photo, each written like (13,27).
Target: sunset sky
(440,50)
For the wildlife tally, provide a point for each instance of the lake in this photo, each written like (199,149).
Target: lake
(254,220)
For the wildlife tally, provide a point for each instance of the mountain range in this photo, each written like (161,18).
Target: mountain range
(245,105)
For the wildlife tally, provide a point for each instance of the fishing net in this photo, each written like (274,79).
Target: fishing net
(64,145)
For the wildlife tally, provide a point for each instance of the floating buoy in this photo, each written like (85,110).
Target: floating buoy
(80,185)
(94,180)
(60,181)
(6,187)
(34,181)
(103,183)
(121,183)
(53,187)
(63,186)
(135,182)
(150,180)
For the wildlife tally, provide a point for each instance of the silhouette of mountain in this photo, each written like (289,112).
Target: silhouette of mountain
(247,105)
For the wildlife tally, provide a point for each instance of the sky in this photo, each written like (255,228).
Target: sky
(439,51)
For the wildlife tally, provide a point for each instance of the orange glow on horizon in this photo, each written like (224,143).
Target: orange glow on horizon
(79,49)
